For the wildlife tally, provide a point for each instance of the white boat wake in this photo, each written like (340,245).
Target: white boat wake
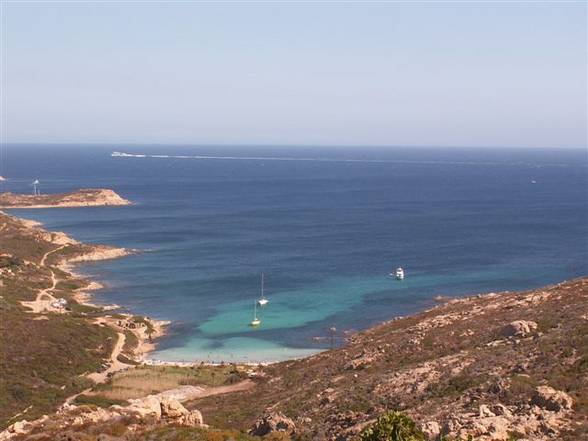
(311,159)
(244,158)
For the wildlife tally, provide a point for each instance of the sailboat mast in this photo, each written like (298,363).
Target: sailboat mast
(262,285)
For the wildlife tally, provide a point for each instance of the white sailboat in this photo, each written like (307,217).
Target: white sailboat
(255,322)
(262,300)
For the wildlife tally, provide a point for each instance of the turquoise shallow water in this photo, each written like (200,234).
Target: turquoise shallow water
(325,233)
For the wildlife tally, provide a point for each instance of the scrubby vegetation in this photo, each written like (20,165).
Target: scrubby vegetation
(392,426)
(192,434)
(43,357)
(43,361)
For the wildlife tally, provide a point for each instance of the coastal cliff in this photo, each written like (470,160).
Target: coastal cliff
(81,198)
(496,366)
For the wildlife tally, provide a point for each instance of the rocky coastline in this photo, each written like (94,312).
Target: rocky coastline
(98,197)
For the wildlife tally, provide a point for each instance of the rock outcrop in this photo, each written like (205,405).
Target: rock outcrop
(520,328)
(548,398)
(273,422)
(150,409)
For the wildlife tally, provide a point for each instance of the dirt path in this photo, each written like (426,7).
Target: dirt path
(101,377)
(115,364)
(39,304)
(44,258)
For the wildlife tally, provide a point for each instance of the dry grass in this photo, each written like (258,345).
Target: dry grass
(146,380)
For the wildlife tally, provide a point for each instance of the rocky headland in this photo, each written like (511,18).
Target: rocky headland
(82,198)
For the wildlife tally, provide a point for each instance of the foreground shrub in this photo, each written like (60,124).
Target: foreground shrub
(392,426)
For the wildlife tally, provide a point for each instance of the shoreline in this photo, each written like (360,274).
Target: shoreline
(84,294)
(146,345)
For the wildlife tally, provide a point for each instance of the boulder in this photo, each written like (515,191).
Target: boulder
(272,422)
(192,419)
(18,427)
(520,328)
(431,430)
(548,398)
(172,409)
(149,405)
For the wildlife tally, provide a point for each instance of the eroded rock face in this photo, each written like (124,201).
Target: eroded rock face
(171,409)
(273,422)
(548,398)
(520,328)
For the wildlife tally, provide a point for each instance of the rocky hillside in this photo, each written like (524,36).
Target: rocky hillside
(49,340)
(508,366)
(80,198)
(495,366)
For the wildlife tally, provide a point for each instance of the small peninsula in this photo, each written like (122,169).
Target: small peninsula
(91,197)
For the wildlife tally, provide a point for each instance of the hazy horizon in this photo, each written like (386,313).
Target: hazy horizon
(260,145)
(258,74)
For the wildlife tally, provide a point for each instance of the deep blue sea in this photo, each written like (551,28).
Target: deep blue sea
(325,225)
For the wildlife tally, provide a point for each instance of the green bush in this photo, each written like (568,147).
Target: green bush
(392,426)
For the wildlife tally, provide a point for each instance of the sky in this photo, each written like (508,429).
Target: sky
(391,74)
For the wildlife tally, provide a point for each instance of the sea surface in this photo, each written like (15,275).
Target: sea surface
(325,225)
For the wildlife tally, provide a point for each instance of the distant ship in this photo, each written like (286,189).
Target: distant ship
(398,274)
(262,300)
(126,155)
